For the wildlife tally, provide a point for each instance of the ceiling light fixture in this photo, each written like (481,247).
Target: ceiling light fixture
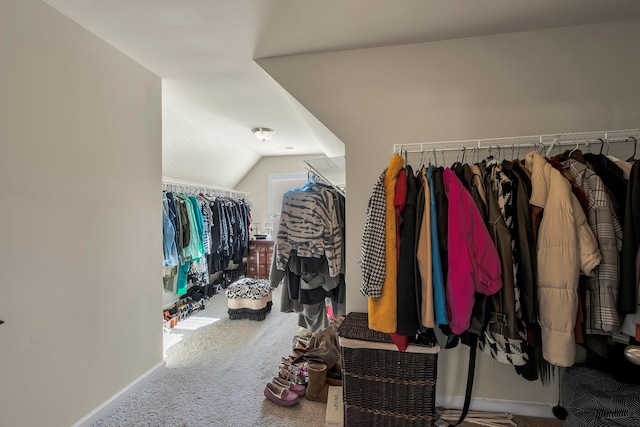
(263,134)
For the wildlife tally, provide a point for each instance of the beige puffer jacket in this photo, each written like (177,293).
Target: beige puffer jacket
(566,245)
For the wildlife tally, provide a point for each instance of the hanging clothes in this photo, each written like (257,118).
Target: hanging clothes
(442,218)
(547,220)
(308,254)
(601,314)
(438,231)
(207,220)
(474,265)
(372,253)
(382,311)
(408,323)
(504,338)
(201,232)
(168,236)
(613,179)
(194,250)
(628,294)
(566,246)
(309,225)
(424,280)
(526,275)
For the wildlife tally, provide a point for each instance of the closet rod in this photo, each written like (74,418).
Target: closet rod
(205,189)
(551,140)
(312,172)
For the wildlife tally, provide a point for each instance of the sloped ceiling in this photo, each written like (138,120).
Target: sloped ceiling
(214,92)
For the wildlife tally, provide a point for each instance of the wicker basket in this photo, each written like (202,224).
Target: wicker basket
(383,386)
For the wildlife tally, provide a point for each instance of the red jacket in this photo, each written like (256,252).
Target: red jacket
(474,264)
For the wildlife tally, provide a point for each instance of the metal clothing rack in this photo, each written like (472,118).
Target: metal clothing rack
(600,139)
(202,189)
(328,170)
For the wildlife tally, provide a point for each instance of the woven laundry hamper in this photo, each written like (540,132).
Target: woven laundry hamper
(249,299)
(381,385)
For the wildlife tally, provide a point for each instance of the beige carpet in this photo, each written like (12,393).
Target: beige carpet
(216,375)
(216,372)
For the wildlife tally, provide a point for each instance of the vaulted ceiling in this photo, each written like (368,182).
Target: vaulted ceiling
(214,93)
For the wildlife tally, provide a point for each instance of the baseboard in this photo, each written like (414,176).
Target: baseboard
(120,396)
(529,409)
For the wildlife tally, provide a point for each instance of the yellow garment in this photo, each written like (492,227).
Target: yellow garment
(383,314)
(423,256)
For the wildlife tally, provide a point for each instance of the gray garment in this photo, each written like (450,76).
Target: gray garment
(309,226)
(170,278)
(312,317)
(601,314)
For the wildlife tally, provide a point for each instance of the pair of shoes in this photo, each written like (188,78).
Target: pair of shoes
(280,395)
(295,372)
(298,389)
(300,343)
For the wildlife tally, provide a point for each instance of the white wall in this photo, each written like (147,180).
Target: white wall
(256,182)
(560,80)
(80,218)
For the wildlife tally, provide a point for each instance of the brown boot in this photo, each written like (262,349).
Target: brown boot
(317,388)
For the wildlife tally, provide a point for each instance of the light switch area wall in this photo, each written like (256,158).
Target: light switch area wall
(80,209)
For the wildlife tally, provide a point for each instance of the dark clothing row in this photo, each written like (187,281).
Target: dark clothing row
(229,232)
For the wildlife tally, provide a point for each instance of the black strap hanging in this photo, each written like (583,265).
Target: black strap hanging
(470,375)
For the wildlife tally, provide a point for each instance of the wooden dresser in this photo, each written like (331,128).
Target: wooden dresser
(259,259)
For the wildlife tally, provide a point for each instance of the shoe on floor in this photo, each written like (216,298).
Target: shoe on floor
(298,389)
(280,395)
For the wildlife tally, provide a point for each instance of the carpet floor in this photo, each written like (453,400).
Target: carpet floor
(216,373)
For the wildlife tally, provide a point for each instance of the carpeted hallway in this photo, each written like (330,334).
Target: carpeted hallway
(216,373)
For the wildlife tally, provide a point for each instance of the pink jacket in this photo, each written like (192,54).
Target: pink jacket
(474,265)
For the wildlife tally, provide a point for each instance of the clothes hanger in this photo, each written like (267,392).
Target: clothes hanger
(635,146)
(574,150)
(458,163)
(497,156)
(489,155)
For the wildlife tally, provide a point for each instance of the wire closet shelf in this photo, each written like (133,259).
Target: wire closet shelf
(587,140)
(202,189)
